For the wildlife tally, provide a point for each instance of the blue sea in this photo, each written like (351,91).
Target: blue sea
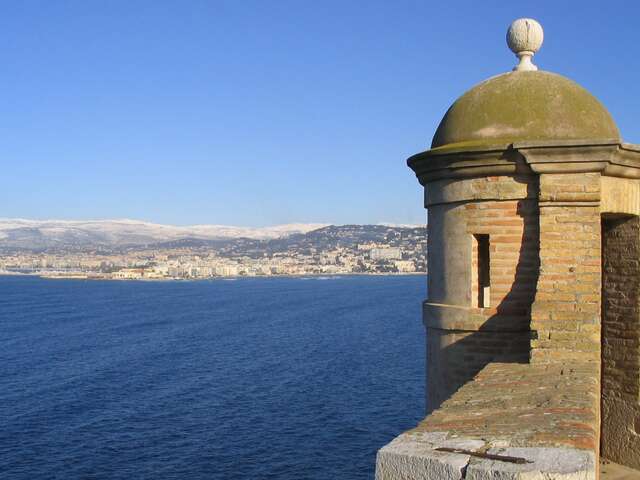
(272,378)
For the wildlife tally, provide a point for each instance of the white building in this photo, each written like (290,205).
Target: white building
(385,254)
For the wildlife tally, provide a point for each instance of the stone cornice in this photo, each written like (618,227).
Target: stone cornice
(608,157)
(444,165)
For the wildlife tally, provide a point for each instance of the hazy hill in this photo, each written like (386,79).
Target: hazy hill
(46,234)
(109,236)
(321,239)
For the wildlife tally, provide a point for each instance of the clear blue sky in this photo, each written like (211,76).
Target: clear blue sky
(264,112)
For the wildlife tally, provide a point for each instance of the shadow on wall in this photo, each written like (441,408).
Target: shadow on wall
(454,357)
(620,353)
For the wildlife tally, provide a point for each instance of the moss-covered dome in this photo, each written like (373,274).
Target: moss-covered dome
(524,106)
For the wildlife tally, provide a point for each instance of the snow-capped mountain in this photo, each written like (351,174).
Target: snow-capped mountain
(47,233)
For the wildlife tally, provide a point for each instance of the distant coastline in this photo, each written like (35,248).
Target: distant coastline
(330,250)
(179,279)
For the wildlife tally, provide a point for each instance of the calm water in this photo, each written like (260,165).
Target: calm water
(254,378)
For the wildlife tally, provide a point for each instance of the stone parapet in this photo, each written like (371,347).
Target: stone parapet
(546,414)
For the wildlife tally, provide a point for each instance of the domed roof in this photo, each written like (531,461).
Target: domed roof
(524,106)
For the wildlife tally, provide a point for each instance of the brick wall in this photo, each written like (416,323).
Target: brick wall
(566,312)
(512,227)
(621,340)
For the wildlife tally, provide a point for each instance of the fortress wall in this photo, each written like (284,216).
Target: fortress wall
(621,340)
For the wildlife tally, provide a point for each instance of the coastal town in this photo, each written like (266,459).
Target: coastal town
(333,250)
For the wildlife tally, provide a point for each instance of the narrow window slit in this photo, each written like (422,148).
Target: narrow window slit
(482,272)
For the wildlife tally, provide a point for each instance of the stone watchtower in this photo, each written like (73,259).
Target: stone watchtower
(533,308)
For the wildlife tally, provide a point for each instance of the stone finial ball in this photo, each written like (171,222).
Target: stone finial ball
(525,35)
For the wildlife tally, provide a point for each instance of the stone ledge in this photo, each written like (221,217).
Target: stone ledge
(547,464)
(413,456)
(470,319)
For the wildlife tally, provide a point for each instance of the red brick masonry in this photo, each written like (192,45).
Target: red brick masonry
(511,404)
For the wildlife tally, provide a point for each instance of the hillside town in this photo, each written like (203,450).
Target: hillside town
(354,249)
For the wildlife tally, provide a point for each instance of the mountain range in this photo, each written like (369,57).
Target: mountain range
(42,234)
